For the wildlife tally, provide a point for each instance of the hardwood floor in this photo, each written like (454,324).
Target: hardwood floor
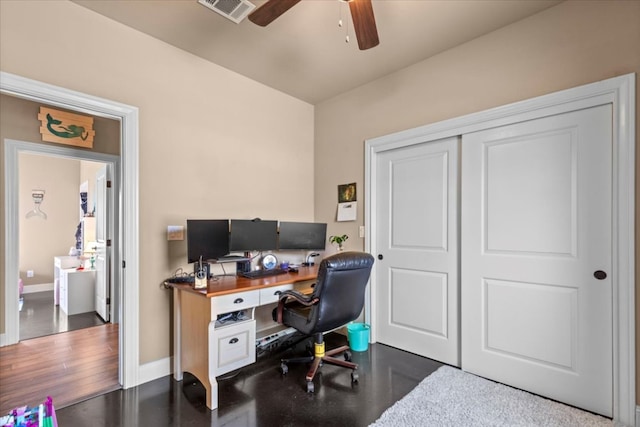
(40,316)
(69,367)
(258,395)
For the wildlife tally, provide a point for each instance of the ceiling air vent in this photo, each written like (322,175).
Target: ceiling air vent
(235,10)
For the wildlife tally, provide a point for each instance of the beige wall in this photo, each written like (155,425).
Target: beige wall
(40,239)
(213,144)
(571,44)
(19,121)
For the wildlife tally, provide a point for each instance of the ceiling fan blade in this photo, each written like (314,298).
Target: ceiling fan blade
(270,11)
(364,23)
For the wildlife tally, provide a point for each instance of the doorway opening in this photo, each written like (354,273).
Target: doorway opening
(126,294)
(60,282)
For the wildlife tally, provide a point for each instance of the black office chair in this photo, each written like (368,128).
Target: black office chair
(337,299)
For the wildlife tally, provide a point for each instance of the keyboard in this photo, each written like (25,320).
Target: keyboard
(256,274)
(232,258)
(182,279)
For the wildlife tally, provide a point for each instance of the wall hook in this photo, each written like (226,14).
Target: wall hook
(38,197)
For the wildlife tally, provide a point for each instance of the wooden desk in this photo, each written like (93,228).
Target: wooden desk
(207,350)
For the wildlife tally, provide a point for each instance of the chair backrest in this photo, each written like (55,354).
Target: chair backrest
(342,279)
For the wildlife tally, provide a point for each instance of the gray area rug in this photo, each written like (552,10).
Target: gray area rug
(450,397)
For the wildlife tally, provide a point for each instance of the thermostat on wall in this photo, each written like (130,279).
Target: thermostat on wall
(175,232)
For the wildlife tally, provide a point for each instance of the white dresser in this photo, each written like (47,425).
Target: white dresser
(62,263)
(77,291)
(74,290)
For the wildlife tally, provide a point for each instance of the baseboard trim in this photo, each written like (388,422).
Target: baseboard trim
(637,416)
(154,370)
(42,287)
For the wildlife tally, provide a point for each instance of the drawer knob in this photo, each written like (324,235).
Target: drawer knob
(238,301)
(233,340)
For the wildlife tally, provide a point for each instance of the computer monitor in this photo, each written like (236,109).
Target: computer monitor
(253,235)
(303,235)
(207,238)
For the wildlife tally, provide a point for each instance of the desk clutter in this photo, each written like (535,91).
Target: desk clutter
(43,415)
(273,341)
(228,318)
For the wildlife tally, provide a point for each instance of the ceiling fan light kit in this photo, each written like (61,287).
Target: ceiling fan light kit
(364,22)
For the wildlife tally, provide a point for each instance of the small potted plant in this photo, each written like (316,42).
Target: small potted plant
(338,240)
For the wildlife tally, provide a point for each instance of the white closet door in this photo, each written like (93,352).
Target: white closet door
(417,277)
(536,246)
(103,252)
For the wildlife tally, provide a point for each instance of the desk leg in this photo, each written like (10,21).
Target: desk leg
(196,343)
(212,389)
(177,335)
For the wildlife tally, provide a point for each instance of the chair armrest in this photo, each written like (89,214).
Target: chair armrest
(301,298)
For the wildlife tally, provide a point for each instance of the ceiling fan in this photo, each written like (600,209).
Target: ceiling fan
(364,23)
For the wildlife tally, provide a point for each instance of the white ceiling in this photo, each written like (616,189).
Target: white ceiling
(304,53)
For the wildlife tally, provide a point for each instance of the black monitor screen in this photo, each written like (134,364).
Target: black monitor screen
(253,235)
(303,235)
(207,238)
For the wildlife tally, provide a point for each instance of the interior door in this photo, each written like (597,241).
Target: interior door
(417,238)
(103,250)
(536,256)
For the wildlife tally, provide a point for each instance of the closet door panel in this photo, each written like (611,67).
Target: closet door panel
(536,224)
(417,285)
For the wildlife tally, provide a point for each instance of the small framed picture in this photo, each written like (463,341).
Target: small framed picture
(347,193)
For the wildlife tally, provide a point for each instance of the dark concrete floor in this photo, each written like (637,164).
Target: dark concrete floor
(259,395)
(39,317)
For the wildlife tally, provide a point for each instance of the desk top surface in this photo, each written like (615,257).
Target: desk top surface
(223,285)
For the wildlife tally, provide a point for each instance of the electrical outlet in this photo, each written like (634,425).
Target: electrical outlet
(29,273)
(362,231)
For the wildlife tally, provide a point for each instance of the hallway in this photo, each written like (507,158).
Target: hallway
(70,367)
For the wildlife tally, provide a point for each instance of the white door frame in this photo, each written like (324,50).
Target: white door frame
(620,93)
(33,90)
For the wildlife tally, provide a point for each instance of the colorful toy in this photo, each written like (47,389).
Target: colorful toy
(43,415)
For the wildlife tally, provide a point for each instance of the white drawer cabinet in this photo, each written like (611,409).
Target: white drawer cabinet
(234,346)
(272,294)
(234,302)
(77,291)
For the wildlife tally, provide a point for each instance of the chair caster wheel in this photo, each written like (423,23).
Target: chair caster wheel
(284,369)
(354,377)
(310,387)
(347,356)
